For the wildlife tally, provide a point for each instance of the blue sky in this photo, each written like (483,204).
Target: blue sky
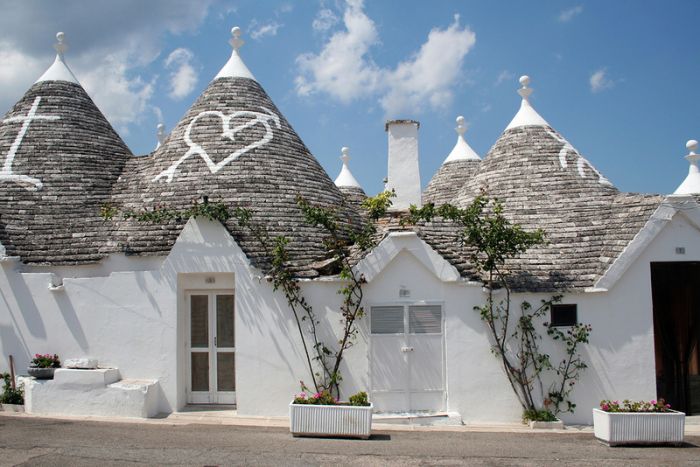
(618,79)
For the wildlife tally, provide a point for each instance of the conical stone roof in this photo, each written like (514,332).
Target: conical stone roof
(545,183)
(61,158)
(459,166)
(233,145)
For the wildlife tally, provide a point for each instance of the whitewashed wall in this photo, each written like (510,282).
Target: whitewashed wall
(130,320)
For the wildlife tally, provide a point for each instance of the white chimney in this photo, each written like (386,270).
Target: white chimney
(404,175)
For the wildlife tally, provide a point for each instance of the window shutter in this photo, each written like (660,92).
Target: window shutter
(386,320)
(425,319)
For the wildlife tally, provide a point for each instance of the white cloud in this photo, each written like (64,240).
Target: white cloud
(183,76)
(324,20)
(123,98)
(599,81)
(567,15)
(428,76)
(504,76)
(344,69)
(110,47)
(264,30)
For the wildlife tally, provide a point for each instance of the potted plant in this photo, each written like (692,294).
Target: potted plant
(11,398)
(43,366)
(638,422)
(322,415)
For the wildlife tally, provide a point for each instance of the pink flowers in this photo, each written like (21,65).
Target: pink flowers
(635,406)
(46,361)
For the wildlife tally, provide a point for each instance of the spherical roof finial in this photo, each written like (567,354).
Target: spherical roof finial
(461,125)
(691,145)
(345,151)
(60,46)
(525,90)
(236,41)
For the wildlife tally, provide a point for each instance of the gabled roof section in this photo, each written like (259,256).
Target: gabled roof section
(686,206)
(396,242)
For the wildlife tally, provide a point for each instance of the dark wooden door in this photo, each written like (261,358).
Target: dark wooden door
(676,299)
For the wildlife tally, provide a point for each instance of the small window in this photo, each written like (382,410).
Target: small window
(425,319)
(564,315)
(386,320)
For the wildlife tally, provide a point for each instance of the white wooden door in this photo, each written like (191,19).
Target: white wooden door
(407,358)
(211,348)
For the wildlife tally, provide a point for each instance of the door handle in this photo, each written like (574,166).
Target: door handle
(215,344)
(406,349)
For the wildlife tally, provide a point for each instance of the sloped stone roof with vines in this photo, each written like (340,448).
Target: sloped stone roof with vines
(62,158)
(233,146)
(545,183)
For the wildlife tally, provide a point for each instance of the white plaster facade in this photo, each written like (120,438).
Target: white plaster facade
(136,321)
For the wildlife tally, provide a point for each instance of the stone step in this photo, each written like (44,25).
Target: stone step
(98,392)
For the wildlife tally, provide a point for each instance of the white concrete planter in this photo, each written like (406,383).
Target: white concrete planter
(330,420)
(619,428)
(555,425)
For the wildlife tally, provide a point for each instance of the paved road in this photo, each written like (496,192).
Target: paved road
(47,442)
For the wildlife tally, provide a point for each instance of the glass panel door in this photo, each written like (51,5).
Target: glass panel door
(212,375)
(225,342)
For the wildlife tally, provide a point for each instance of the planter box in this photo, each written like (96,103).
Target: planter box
(17,408)
(41,373)
(330,420)
(619,428)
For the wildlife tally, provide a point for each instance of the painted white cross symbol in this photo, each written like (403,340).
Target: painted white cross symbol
(6,172)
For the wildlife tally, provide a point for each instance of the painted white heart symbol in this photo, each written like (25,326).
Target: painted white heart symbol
(263,118)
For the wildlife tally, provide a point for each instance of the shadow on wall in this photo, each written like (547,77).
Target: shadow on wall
(25,302)
(13,345)
(71,318)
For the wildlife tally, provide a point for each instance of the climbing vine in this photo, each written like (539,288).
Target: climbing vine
(323,361)
(491,240)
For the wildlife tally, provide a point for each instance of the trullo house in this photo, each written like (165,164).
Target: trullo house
(178,311)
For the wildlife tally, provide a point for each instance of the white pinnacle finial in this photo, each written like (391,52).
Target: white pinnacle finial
(59,71)
(160,134)
(235,68)
(525,91)
(526,116)
(691,184)
(461,150)
(60,46)
(345,177)
(236,41)
(461,127)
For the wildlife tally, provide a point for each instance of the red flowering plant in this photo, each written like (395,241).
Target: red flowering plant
(320,398)
(635,406)
(46,361)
